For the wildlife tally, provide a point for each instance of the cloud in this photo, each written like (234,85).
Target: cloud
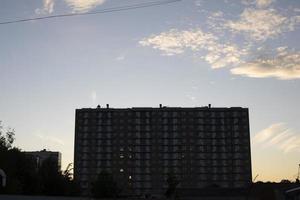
(293,22)
(216,21)
(285,65)
(46,138)
(48,8)
(258,3)
(223,55)
(280,136)
(198,2)
(254,26)
(263,3)
(120,57)
(208,45)
(248,2)
(94,97)
(81,6)
(269,132)
(176,42)
(258,24)
(191,97)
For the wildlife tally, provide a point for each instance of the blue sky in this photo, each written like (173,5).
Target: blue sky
(189,53)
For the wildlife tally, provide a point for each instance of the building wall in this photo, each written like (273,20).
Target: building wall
(201,147)
(41,156)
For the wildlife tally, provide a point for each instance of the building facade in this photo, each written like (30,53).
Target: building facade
(40,156)
(141,147)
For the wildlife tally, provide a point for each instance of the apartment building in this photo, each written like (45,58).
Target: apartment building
(142,146)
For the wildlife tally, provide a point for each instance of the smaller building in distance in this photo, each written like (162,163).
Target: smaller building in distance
(40,156)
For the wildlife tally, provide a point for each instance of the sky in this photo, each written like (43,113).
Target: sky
(189,53)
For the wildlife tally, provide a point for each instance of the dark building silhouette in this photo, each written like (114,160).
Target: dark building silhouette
(40,156)
(200,146)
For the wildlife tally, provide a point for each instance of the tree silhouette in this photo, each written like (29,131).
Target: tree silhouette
(172,182)
(54,182)
(7,137)
(24,177)
(105,186)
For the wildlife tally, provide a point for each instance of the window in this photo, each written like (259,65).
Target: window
(137,127)
(147,148)
(148,129)
(147,114)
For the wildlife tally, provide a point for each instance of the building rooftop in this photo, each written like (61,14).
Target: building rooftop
(162,107)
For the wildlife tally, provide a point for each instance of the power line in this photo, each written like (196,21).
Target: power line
(107,10)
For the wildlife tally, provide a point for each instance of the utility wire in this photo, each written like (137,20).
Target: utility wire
(107,10)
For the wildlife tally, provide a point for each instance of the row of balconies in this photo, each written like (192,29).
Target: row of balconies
(167,155)
(163,141)
(169,122)
(192,174)
(154,166)
(171,143)
(207,148)
(163,127)
(166,134)
(171,162)
(185,172)
(162,136)
(160,113)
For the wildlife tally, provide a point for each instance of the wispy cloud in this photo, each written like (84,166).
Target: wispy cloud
(284,65)
(191,97)
(93,97)
(175,41)
(269,132)
(81,6)
(258,3)
(47,138)
(120,57)
(280,136)
(48,7)
(263,3)
(206,45)
(259,24)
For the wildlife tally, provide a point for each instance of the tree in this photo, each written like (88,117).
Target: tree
(7,137)
(72,187)
(23,177)
(9,158)
(285,181)
(172,182)
(105,186)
